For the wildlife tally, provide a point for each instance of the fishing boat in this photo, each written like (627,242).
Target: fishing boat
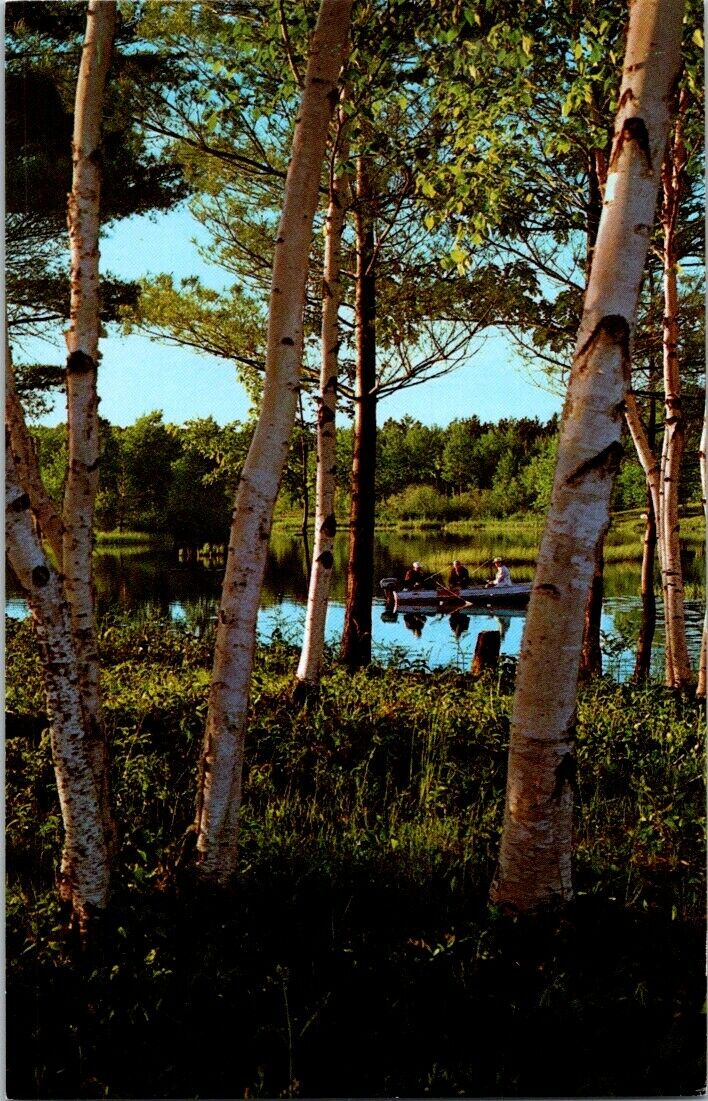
(481,596)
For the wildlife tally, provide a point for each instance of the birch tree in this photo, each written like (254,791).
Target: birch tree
(644,446)
(81,376)
(308,671)
(62,600)
(535,858)
(219,791)
(662,471)
(85,871)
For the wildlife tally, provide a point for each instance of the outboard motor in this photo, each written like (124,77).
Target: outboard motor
(390,585)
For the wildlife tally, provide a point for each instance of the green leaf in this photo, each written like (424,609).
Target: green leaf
(697,38)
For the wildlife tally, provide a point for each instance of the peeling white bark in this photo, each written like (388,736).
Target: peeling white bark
(85,873)
(219,793)
(535,858)
(81,371)
(309,667)
(27,467)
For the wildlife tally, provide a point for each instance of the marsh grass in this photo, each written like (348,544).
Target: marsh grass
(359,923)
(131,538)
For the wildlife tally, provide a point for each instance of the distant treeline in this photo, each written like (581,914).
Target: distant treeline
(179,480)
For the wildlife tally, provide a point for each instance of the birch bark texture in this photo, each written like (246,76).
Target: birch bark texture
(27,467)
(310,664)
(534,870)
(219,791)
(85,874)
(81,371)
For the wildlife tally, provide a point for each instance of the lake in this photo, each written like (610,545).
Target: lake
(155,581)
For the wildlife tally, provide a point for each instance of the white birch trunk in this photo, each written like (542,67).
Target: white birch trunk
(309,668)
(85,874)
(535,858)
(27,467)
(219,794)
(678,663)
(81,372)
(651,541)
(648,460)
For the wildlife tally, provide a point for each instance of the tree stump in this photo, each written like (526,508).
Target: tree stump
(486,652)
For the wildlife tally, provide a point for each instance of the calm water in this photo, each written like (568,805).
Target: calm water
(156,582)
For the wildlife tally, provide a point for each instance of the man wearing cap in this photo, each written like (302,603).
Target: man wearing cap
(502,577)
(415,576)
(459,576)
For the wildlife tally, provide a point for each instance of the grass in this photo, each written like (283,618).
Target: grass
(130,539)
(356,955)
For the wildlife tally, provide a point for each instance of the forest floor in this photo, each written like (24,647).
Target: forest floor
(356,955)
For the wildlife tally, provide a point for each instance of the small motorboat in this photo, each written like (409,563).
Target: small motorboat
(481,596)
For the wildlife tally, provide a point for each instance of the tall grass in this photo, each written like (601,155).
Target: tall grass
(395,764)
(131,539)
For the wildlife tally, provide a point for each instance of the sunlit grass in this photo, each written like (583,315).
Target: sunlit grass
(130,538)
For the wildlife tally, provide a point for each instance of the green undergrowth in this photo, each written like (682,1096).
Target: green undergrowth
(356,955)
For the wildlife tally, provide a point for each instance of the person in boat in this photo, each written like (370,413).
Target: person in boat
(415,576)
(459,576)
(502,576)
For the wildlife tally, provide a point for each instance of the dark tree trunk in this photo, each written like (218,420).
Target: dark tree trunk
(591,653)
(642,665)
(356,638)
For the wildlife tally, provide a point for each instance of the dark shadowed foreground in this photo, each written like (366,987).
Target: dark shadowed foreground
(356,954)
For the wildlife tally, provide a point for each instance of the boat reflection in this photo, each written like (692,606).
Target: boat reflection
(504,622)
(459,622)
(415,622)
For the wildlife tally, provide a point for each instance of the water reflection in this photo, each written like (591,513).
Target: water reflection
(157,582)
(504,622)
(459,622)
(415,622)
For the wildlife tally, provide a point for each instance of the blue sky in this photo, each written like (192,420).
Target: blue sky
(138,375)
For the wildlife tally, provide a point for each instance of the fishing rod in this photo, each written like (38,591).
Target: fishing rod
(481,565)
